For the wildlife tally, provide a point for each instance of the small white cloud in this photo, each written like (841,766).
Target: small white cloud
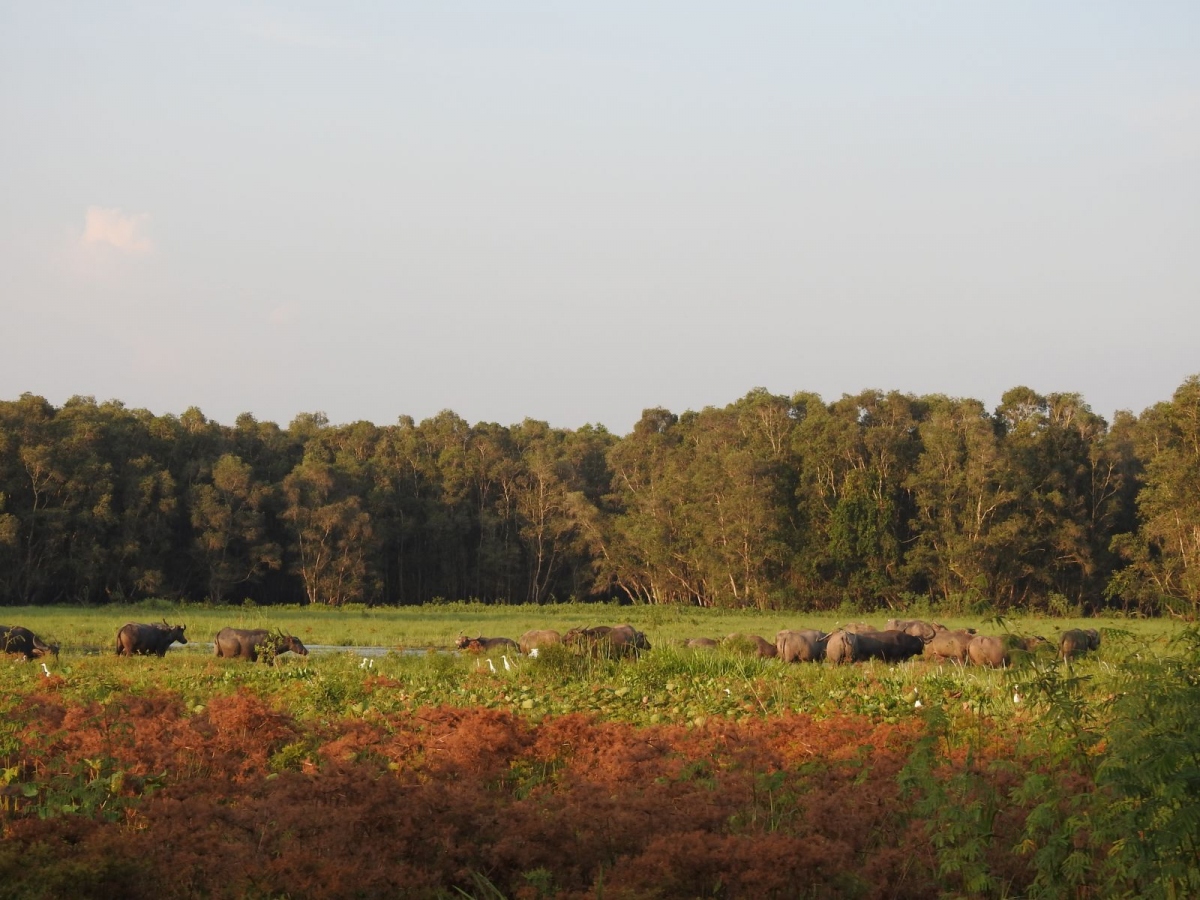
(117,229)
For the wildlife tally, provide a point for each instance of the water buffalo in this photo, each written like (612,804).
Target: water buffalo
(532,640)
(841,647)
(988,651)
(483,644)
(606,640)
(751,643)
(1076,640)
(948,644)
(859,628)
(17,639)
(136,638)
(890,646)
(924,630)
(805,645)
(242,643)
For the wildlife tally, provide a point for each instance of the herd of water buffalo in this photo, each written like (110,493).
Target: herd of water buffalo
(901,639)
(138,639)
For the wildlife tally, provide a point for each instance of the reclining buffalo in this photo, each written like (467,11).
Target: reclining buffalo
(17,639)
(751,644)
(249,644)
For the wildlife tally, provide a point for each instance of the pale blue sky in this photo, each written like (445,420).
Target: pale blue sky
(571,212)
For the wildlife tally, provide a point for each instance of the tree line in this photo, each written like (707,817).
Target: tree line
(773,502)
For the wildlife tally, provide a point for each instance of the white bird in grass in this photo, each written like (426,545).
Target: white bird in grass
(507,665)
(533,652)
(492,666)
(46,670)
(1017,698)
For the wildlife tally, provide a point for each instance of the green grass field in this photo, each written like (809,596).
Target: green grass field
(668,684)
(80,629)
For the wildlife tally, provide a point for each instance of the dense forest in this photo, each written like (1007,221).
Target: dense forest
(771,502)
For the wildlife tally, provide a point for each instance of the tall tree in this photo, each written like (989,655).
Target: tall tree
(229,517)
(962,502)
(332,533)
(1163,557)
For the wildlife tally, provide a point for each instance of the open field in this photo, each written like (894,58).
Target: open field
(84,629)
(679,774)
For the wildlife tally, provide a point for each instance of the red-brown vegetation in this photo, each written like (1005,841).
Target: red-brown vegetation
(251,801)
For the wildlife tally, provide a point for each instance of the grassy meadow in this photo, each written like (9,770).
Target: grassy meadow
(93,629)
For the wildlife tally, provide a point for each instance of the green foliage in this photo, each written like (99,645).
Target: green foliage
(769,503)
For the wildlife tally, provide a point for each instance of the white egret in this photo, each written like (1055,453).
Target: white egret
(492,666)
(46,670)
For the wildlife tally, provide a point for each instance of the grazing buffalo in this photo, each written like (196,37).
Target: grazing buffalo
(242,643)
(532,640)
(924,630)
(483,645)
(751,643)
(604,640)
(841,647)
(890,646)
(1076,640)
(142,640)
(800,646)
(17,639)
(948,644)
(701,644)
(988,651)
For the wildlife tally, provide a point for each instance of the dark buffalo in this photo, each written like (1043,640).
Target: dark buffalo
(142,640)
(17,639)
(241,643)
(922,629)
(484,644)
(1076,640)
(890,646)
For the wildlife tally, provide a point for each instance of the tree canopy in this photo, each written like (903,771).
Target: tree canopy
(769,502)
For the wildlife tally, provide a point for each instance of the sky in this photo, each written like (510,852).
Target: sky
(572,212)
